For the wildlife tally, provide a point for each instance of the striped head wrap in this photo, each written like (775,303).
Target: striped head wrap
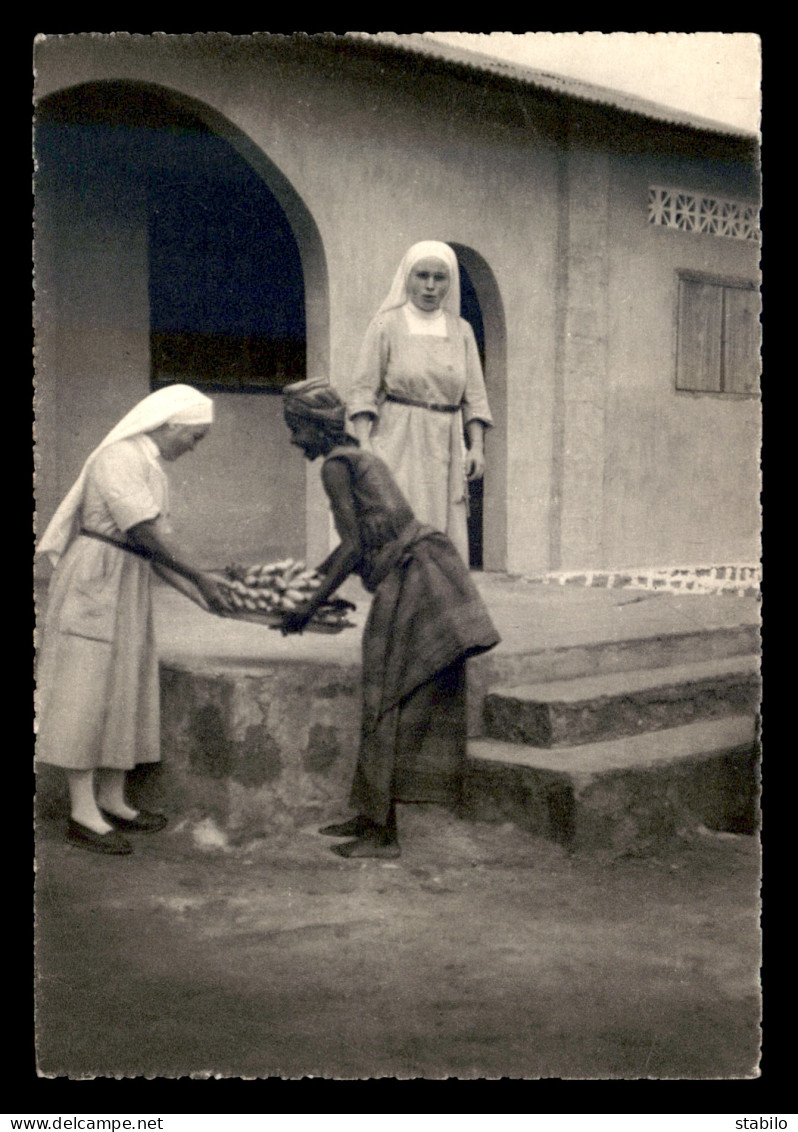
(314,400)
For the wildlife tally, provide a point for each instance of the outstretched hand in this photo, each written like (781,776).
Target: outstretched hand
(216,592)
(295,622)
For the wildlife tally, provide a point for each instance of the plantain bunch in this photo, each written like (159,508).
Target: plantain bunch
(277,588)
(274,587)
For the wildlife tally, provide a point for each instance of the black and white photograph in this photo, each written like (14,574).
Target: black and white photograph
(398,566)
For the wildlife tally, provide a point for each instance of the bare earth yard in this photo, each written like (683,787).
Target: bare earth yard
(481,953)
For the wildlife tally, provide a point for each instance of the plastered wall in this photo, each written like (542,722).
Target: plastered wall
(596,461)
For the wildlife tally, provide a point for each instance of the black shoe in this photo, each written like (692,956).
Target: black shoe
(143,822)
(355,827)
(111,842)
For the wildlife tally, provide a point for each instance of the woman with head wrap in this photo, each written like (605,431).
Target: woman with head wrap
(98,705)
(426,618)
(417,384)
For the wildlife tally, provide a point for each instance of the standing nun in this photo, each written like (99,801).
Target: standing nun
(418,384)
(98,695)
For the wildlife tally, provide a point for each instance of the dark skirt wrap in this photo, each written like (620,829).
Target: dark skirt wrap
(426,619)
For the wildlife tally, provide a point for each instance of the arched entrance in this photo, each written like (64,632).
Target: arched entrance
(169,247)
(480,304)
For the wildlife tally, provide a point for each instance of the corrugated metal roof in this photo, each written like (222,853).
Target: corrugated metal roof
(416,44)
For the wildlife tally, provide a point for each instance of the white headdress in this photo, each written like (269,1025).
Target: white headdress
(177,404)
(397,296)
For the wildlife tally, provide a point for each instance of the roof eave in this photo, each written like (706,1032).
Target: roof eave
(457,57)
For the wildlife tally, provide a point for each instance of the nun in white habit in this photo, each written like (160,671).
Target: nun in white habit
(97,686)
(418,385)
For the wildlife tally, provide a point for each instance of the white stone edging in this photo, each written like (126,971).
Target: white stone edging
(740,579)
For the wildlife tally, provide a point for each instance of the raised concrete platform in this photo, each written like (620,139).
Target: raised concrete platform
(548,633)
(260,731)
(259,749)
(621,794)
(592,708)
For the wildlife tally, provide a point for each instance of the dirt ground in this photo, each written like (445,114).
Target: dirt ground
(481,953)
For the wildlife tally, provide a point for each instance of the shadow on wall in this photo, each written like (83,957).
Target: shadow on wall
(227,290)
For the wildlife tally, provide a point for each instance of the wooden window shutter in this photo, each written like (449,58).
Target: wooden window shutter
(741,341)
(699,356)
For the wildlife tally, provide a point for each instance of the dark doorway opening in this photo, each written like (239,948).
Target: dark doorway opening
(225,280)
(227,295)
(470,310)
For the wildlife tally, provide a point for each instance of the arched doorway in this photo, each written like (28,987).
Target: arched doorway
(169,247)
(481,306)
(470,310)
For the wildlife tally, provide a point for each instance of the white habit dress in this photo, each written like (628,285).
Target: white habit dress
(98,695)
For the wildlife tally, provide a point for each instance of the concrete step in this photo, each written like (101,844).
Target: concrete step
(568,712)
(504,667)
(621,794)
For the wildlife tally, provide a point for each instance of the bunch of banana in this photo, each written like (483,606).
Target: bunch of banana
(274,587)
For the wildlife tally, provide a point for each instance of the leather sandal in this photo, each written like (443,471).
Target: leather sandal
(354,827)
(369,847)
(111,842)
(143,822)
